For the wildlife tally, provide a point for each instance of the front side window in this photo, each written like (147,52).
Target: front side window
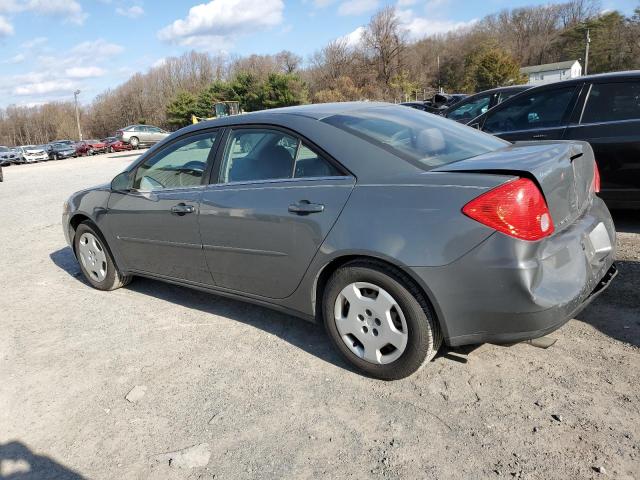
(427,141)
(470,110)
(609,102)
(544,109)
(180,165)
(264,154)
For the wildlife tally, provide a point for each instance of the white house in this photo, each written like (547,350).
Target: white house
(552,72)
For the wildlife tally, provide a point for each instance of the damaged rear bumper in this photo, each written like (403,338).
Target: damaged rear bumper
(507,290)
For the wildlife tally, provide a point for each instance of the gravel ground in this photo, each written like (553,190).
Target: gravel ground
(158,381)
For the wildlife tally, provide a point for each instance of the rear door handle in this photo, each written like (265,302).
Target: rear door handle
(305,207)
(182,209)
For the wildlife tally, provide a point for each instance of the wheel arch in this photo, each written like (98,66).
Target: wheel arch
(335,263)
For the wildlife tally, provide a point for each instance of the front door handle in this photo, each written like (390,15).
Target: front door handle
(182,209)
(305,207)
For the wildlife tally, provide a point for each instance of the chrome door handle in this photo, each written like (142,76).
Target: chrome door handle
(540,135)
(304,207)
(182,209)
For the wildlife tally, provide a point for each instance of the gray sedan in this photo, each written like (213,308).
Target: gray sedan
(399,230)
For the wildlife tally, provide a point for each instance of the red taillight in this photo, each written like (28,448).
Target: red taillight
(516,208)
(596,178)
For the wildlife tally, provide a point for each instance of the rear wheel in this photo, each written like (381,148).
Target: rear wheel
(95,259)
(55,156)
(379,320)
(111,150)
(134,142)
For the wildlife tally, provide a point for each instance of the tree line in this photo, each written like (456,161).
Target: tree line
(384,64)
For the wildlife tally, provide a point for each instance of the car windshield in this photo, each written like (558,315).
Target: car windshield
(4,149)
(426,140)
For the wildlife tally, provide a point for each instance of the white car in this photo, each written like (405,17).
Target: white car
(32,154)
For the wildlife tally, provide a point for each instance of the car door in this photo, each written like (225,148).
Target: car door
(155,222)
(275,200)
(536,115)
(610,122)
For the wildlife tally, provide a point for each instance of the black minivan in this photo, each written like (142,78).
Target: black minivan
(603,110)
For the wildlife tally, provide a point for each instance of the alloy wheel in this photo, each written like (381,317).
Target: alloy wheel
(92,256)
(371,323)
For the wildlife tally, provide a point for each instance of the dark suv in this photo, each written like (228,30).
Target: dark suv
(603,110)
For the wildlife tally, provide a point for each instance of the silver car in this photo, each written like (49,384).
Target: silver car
(397,229)
(141,135)
(32,153)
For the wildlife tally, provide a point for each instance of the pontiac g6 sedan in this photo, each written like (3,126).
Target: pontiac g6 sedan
(398,229)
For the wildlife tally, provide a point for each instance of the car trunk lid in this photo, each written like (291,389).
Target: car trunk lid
(564,171)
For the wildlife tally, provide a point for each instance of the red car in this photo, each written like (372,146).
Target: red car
(115,145)
(90,147)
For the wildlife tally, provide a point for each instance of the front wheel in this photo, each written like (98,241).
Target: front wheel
(111,150)
(379,320)
(134,142)
(95,259)
(55,156)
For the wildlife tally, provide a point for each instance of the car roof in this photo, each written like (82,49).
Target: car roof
(596,78)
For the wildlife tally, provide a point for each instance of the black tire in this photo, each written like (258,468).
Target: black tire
(114,278)
(111,150)
(424,334)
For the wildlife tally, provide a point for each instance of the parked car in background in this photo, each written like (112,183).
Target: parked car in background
(7,156)
(90,147)
(32,153)
(438,103)
(398,230)
(141,135)
(115,145)
(470,107)
(603,110)
(59,151)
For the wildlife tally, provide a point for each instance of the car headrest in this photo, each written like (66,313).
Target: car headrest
(430,140)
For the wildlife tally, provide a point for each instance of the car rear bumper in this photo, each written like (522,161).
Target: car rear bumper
(506,290)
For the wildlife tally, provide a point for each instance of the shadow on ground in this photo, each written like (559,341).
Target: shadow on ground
(626,221)
(18,462)
(612,313)
(304,335)
(616,312)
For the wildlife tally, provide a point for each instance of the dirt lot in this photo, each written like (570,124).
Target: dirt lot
(250,393)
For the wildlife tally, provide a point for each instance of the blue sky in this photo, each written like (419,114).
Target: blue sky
(49,48)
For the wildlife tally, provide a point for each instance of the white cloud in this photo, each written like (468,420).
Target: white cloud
(70,10)
(84,72)
(353,39)
(6,28)
(420,27)
(19,58)
(35,42)
(357,7)
(40,88)
(92,50)
(322,3)
(216,24)
(406,3)
(134,11)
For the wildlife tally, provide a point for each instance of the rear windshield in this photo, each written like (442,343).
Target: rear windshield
(426,140)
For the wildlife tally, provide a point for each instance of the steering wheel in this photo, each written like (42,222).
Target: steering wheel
(194,165)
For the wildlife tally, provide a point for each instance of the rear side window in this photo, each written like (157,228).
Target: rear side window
(470,110)
(608,102)
(264,154)
(545,109)
(425,140)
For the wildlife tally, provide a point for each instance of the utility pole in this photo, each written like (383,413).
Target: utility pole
(586,54)
(438,60)
(75,96)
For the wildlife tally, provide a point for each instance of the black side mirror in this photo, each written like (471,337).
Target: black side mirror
(121,182)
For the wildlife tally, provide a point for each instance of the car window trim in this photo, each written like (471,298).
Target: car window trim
(134,170)
(270,181)
(215,178)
